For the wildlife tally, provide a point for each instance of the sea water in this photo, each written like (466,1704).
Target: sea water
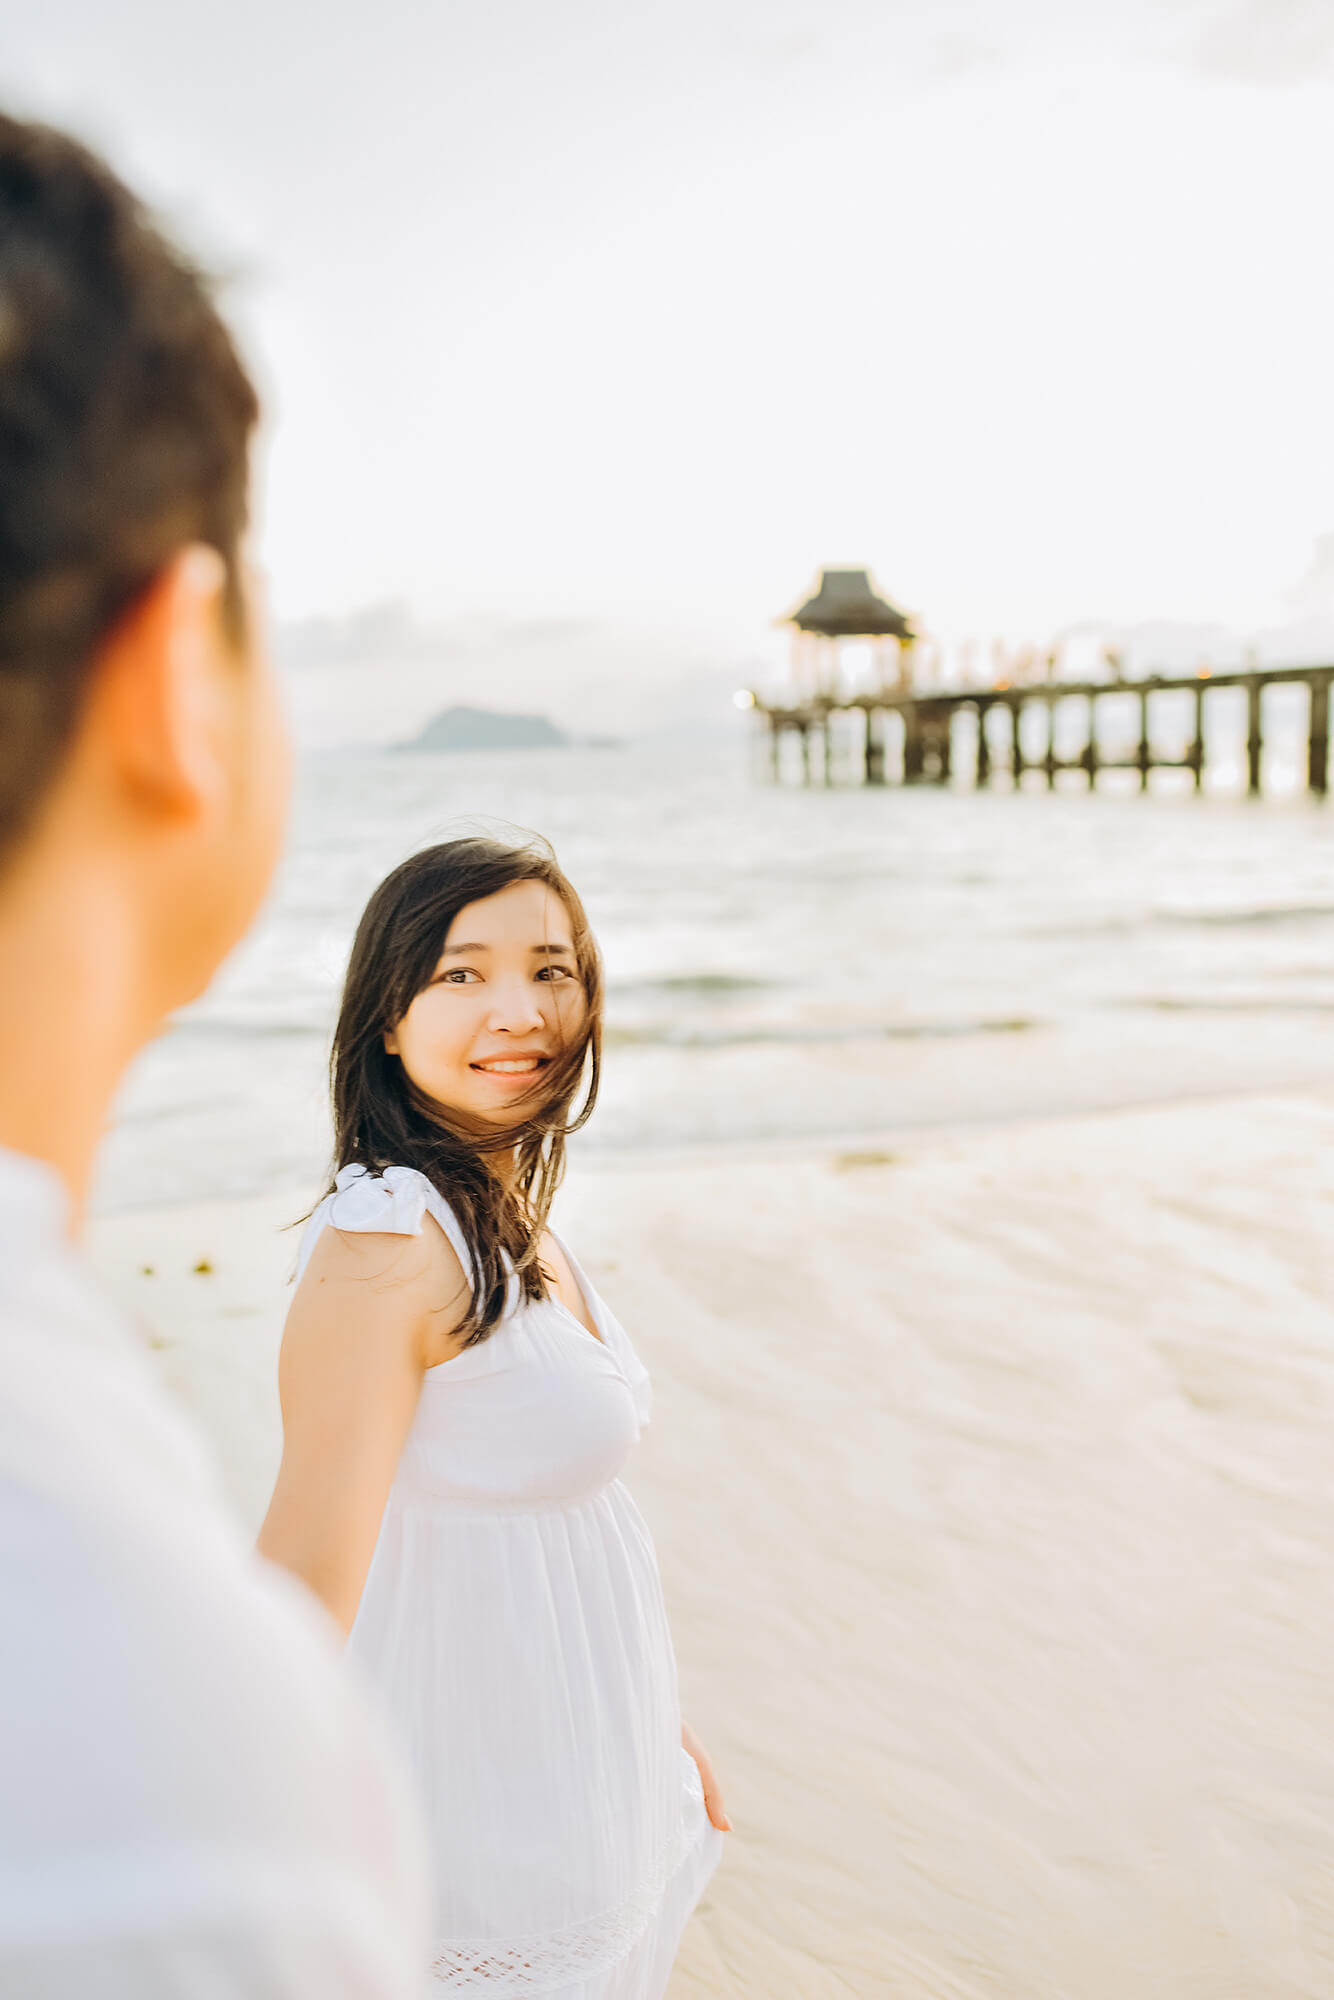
(836,967)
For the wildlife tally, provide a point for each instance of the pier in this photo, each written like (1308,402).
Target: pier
(928,716)
(846,606)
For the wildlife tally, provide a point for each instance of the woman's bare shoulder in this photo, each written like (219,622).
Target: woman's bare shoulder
(387,1279)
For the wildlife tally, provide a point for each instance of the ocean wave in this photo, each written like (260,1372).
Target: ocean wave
(707,985)
(815,1034)
(1222,1004)
(1097,927)
(671,1034)
(246,1027)
(172,1112)
(1281,913)
(1244,919)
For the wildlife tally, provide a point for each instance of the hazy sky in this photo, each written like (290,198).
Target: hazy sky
(584,317)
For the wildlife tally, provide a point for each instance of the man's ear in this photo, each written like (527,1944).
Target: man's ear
(154,693)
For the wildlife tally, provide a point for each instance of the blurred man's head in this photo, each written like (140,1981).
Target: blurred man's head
(140,746)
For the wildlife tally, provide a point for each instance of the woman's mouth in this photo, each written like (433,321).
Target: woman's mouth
(510,1065)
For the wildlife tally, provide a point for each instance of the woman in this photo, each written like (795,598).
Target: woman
(457,1404)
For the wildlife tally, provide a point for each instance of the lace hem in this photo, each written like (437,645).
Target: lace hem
(522,1968)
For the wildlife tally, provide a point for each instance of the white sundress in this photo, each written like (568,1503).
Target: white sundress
(513,1623)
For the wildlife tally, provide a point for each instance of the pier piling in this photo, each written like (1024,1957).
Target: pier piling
(914,750)
(983,769)
(1091,749)
(927,719)
(1254,737)
(1317,765)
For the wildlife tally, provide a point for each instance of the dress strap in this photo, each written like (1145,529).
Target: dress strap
(395,1202)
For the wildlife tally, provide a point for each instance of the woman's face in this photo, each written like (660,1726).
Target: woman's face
(504,1000)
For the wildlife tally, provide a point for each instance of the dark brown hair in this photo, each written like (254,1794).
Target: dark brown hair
(125,419)
(382,1120)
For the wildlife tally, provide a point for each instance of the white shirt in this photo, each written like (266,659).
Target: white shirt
(196,1801)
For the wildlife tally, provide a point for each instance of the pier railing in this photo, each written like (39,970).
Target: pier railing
(928,719)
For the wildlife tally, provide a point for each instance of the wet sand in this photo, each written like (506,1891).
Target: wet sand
(993,1481)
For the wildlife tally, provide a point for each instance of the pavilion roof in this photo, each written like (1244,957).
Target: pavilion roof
(847,604)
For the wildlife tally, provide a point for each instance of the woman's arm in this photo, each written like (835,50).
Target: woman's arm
(368,1318)
(713,1798)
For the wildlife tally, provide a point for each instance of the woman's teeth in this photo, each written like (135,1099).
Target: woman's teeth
(517,1067)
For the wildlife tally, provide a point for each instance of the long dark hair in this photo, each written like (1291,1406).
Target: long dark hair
(382,1120)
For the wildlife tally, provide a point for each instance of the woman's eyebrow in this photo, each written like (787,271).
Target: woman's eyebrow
(453,950)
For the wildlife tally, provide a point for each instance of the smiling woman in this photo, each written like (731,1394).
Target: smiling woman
(499,1009)
(470,957)
(457,1406)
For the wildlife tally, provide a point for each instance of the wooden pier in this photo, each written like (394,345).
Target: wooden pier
(928,718)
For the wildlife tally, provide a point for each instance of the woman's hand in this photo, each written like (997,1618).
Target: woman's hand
(713,1798)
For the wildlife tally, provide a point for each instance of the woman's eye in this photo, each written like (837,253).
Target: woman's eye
(458,975)
(554,973)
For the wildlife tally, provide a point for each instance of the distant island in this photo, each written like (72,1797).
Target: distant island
(489,729)
(485,729)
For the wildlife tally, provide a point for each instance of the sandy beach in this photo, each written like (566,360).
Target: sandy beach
(991,1477)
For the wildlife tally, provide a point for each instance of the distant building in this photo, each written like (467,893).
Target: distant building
(846,605)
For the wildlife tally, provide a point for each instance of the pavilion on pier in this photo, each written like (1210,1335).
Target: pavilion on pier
(846,605)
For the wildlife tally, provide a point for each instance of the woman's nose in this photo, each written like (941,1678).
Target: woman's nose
(517,1011)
